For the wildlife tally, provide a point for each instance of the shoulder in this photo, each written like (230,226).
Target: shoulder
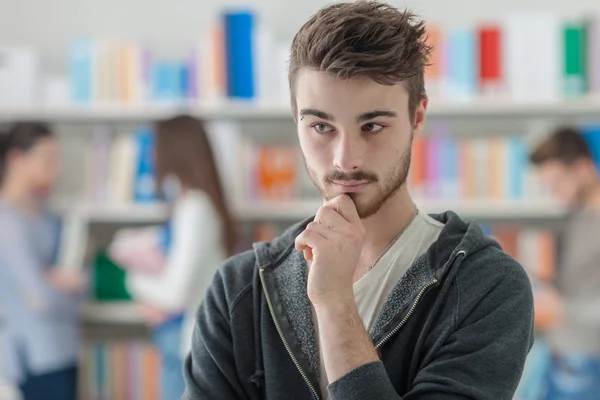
(492,276)
(234,279)
(194,201)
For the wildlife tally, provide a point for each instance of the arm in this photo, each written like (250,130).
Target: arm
(30,279)
(209,370)
(481,359)
(194,228)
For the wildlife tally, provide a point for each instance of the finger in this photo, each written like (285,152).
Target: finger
(344,206)
(331,218)
(308,255)
(309,238)
(321,229)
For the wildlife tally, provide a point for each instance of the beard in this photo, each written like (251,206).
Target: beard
(385,186)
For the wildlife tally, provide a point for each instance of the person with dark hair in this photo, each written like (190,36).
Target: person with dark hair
(371,298)
(564,161)
(168,277)
(40,302)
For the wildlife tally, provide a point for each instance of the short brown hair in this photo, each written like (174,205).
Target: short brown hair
(364,39)
(183,150)
(565,145)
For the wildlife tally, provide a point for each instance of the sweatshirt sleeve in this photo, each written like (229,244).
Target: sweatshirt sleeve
(196,231)
(210,368)
(481,359)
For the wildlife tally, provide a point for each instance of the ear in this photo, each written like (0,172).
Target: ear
(419,116)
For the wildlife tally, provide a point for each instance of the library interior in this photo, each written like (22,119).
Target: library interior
(141,149)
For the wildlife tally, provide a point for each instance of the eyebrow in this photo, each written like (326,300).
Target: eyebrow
(363,117)
(316,113)
(375,114)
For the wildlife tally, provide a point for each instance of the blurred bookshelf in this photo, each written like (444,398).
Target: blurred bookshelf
(585,106)
(492,84)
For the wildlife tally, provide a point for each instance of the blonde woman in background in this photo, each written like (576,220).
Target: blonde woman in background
(169,278)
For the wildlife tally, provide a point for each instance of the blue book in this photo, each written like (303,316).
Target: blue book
(517,153)
(80,70)
(165,81)
(462,59)
(144,186)
(239,27)
(591,134)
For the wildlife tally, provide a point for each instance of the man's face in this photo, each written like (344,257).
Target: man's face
(356,137)
(566,182)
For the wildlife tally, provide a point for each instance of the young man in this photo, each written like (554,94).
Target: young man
(370,298)
(564,161)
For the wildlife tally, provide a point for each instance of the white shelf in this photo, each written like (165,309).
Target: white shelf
(588,105)
(122,213)
(115,312)
(300,209)
(119,112)
(485,208)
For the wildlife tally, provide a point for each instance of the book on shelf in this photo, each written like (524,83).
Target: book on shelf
(444,166)
(120,369)
(235,57)
(120,166)
(494,58)
(238,57)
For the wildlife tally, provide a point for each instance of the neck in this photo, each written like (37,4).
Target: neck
(384,226)
(16,193)
(592,198)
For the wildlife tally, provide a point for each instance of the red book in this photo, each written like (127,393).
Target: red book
(490,63)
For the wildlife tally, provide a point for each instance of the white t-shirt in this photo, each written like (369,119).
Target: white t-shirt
(372,290)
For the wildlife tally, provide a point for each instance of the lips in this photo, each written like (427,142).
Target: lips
(350,186)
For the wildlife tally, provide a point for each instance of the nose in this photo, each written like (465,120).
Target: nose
(349,153)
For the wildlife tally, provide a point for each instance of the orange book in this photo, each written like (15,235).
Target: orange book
(151,374)
(546,248)
(507,237)
(434,39)
(117,362)
(276,172)
(435,70)
(497,160)
(417,169)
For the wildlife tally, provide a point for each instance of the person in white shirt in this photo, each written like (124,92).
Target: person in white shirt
(168,278)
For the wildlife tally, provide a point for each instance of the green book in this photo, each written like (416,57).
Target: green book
(109,279)
(575,72)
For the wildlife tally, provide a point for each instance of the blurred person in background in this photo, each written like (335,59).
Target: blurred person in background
(565,163)
(168,275)
(40,302)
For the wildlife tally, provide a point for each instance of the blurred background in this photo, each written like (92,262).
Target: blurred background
(504,76)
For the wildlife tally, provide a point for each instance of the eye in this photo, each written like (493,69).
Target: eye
(372,127)
(322,128)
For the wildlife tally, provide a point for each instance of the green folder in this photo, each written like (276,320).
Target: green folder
(109,279)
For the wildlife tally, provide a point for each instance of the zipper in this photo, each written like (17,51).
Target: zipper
(285,343)
(412,308)
(407,316)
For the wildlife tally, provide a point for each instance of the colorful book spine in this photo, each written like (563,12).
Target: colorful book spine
(462,64)
(81,70)
(239,28)
(144,189)
(575,56)
(490,61)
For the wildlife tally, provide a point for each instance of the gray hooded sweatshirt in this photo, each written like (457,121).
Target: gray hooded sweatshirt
(458,325)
